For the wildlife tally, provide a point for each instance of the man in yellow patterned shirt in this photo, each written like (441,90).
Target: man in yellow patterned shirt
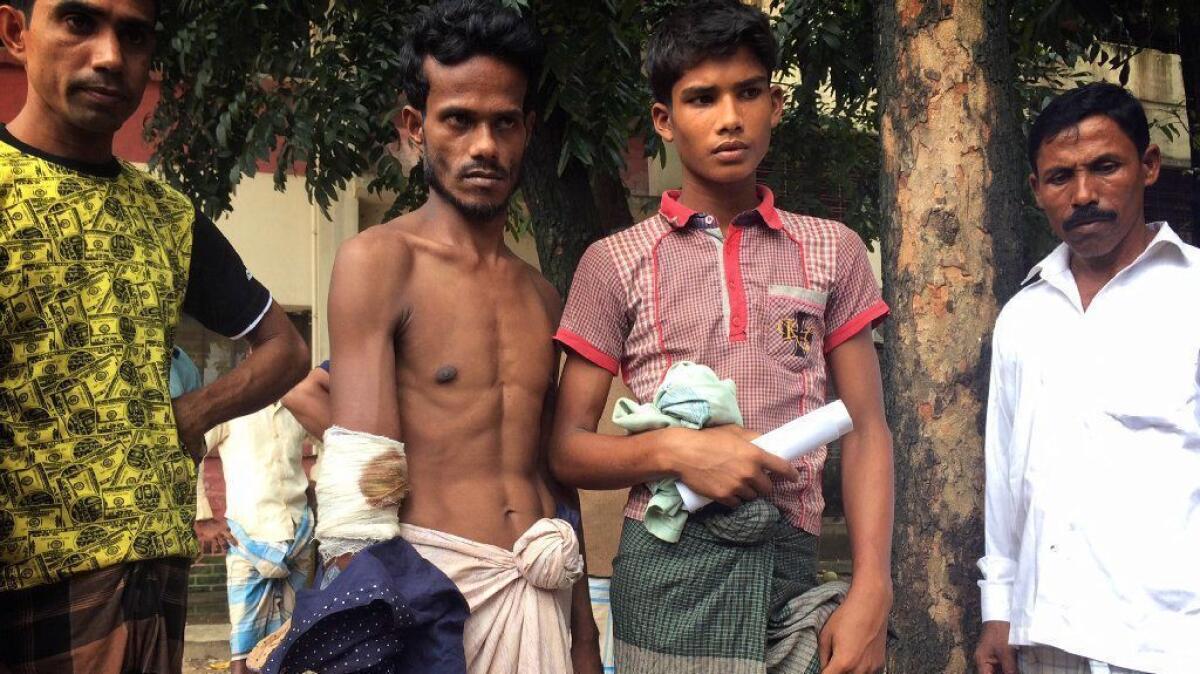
(98,259)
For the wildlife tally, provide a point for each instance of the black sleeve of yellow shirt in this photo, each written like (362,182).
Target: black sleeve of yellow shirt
(221,292)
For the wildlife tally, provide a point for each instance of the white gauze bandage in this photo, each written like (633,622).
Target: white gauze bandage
(363,480)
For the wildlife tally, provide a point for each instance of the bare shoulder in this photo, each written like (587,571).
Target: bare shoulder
(377,248)
(371,271)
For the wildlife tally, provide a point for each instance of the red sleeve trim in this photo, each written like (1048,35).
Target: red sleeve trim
(872,315)
(584,348)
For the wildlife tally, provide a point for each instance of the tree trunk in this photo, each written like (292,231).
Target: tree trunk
(564,213)
(951,186)
(1189,52)
(612,201)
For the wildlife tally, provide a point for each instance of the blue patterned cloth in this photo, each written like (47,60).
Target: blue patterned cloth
(598,592)
(184,376)
(262,578)
(390,611)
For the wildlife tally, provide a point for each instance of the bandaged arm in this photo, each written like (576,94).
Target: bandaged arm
(367,308)
(364,478)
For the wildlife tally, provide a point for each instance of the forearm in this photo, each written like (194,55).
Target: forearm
(585,637)
(267,373)
(311,410)
(868,496)
(589,460)
(583,624)
(203,507)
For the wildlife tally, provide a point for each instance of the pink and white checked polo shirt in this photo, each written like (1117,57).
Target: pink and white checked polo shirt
(761,306)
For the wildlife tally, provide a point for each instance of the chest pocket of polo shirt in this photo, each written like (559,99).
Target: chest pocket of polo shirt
(793,327)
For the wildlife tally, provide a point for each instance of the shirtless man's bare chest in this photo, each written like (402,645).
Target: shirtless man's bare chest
(474,363)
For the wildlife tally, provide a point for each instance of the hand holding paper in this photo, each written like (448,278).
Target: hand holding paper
(790,441)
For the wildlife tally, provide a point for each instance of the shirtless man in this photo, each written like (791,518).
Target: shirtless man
(441,340)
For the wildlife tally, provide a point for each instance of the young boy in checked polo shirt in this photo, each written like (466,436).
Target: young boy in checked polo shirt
(769,299)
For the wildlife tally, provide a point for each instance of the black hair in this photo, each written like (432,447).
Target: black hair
(452,31)
(704,30)
(1097,98)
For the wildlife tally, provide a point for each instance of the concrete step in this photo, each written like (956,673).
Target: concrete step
(206,632)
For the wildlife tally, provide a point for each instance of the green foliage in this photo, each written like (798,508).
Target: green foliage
(244,82)
(1050,37)
(826,166)
(1071,27)
(316,84)
(824,157)
(593,65)
(829,46)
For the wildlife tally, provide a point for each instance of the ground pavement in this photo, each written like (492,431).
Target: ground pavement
(206,649)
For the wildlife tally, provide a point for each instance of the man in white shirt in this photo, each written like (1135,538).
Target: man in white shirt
(268,514)
(1092,560)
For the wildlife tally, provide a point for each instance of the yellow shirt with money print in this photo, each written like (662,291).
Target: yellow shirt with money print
(93,271)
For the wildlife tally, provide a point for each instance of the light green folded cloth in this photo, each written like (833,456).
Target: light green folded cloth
(690,396)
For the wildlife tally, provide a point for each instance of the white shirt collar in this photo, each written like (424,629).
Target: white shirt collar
(1059,259)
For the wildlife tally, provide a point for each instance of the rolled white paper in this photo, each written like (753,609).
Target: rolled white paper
(791,441)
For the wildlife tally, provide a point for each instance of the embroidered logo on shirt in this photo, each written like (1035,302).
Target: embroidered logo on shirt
(791,329)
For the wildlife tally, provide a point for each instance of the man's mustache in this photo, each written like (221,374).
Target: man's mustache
(1086,214)
(483,168)
(97,83)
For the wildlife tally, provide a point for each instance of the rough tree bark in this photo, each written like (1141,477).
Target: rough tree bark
(951,186)
(564,208)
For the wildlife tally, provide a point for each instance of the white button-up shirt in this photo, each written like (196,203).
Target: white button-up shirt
(1093,463)
(264,477)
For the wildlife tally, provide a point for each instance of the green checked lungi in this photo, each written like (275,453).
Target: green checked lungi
(736,595)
